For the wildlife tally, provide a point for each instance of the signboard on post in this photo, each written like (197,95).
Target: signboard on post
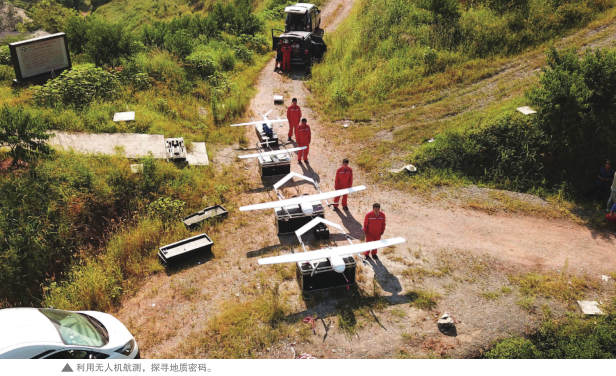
(35,59)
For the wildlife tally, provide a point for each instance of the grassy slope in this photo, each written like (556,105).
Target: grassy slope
(137,13)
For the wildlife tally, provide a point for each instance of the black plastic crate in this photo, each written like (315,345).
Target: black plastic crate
(325,277)
(275,165)
(212,212)
(321,232)
(184,249)
(293,218)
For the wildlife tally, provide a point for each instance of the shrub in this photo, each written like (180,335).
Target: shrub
(505,150)
(23,133)
(161,66)
(514,348)
(6,73)
(78,87)
(77,29)
(5,56)
(110,43)
(180,43)
(203,63)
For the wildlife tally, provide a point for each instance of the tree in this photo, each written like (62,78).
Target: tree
(576,103)
(23,133)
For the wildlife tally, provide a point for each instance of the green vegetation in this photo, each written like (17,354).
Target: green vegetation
(23,134)
(93,212)
(77,231)
(388,51)
(570,338)
(571,132)
(399,66)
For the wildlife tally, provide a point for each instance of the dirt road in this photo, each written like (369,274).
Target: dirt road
(481,248)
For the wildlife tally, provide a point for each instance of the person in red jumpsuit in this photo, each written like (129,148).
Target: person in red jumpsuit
(374,226)
(294,114)
(286,55)
(303,136)
(612,216)
(344,179)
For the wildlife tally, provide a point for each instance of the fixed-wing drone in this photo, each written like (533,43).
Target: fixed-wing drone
(302,199)
(264,128)
(335,255)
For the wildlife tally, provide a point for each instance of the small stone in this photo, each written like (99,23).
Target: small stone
(333,350)
(446,322)
(605,278)
(153,304)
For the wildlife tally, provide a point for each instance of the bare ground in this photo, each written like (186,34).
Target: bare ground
(479,249)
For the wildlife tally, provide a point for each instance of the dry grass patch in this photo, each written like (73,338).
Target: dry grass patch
(423,299)
(564,287)
(244,330)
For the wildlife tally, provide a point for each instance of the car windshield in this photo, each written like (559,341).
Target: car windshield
(75,328)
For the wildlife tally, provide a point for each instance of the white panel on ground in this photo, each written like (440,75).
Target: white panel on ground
(526,110)
(198,155)
(124,116)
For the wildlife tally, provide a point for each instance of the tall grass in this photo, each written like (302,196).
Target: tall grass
(387,51)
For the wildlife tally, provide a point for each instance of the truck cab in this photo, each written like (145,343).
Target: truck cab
(302,17)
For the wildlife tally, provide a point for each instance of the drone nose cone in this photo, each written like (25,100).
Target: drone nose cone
(337,264)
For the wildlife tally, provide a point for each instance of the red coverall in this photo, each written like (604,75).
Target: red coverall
(344,179)
(374,227)
(303,136)
(611,218)
(294,115)
(286,56)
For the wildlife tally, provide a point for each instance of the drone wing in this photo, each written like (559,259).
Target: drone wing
(275,152)
(302,199)
(329,252)
(260,122)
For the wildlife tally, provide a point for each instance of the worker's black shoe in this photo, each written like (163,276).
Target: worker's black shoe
(367,256)
(305,160)
(290,139)
(335,207)
(375,257)
(345,207)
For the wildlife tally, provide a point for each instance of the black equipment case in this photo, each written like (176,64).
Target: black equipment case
(216,211)
(275,165)
(186,248)
(321,232)
(325,277)
(292,218)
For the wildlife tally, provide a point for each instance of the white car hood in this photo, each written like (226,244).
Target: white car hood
(25,325)
(118,334)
